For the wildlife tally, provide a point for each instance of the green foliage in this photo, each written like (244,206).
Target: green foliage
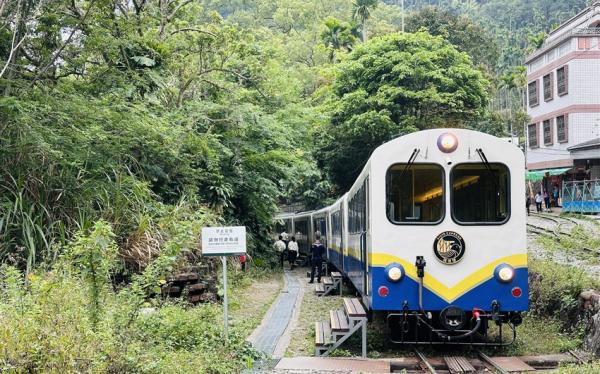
(94,256)
(396,84)
(554,290)
(361,11)
(459,29)
(46,324)
(338,35)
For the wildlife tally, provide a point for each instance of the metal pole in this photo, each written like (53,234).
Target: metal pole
(402,4)
(364,338)
(225,301)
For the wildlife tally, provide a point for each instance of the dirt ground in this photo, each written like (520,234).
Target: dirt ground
(252,302)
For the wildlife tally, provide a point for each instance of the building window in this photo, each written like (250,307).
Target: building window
(547,132)
(562,80)
(562,130)
(548,87)
(532,90)
(584,42)
(532,135)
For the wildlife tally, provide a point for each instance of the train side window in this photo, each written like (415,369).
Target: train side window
(480,193)
(301,228)
(415,193)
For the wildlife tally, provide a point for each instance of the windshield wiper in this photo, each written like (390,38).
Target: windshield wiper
(490,171)
(411,160)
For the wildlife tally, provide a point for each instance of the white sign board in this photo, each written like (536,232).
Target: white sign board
(223,241)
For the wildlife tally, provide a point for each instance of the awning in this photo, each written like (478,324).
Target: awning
(538,175)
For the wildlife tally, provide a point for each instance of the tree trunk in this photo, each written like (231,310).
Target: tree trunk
(364,31)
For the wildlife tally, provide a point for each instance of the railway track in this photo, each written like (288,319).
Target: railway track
(482,363)
(559,222)
(556,233)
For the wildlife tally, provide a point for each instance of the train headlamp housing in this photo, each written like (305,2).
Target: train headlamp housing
(504,273)
(394,272)
(447,142)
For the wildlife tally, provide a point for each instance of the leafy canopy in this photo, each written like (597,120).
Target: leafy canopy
(395,84)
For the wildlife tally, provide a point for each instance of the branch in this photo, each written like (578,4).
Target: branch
(186,29)
(60,50)
(14,47)
(170,16)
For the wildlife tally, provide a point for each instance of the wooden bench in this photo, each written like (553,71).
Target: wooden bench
(322,333)
(354,308)
(338,320)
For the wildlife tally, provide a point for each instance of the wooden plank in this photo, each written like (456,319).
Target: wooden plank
(334,320)
(327,280)
(512,364)
(465,364)
(326,333)
(319,288)
(336,274)
(358,307)
(349,307)
(319,336)
(340,320)
(458,364)
(453,366)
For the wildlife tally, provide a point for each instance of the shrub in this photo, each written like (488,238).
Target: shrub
(554,290)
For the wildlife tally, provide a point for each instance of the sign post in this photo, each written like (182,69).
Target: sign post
(223,242)
(225,301)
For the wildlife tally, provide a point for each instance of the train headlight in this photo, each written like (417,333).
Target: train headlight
(504,273)
(394,272)
(447,142)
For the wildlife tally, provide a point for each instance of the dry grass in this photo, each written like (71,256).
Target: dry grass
(249,304)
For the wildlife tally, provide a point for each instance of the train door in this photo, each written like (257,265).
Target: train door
(364,250)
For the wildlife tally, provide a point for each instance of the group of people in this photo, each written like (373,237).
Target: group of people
(289,249)
(542,197)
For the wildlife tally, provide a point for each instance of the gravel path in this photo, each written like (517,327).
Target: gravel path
(537,249)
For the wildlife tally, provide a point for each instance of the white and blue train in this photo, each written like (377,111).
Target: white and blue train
(433,234)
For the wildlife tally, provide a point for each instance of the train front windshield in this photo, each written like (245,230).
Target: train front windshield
(480,193)
(415,193)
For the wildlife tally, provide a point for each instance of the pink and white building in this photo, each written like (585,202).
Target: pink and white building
(563,97)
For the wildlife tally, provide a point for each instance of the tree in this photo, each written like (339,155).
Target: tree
(396,84)
(337,35)
(361,11)
(460,30)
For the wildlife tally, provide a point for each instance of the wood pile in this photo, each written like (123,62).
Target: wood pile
(195,283)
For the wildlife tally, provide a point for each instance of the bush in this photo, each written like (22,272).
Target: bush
(49,322)
(554,290)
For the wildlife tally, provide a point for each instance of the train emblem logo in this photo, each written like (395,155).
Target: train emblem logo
(449,247)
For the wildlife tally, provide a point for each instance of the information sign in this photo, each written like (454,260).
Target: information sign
(223,241)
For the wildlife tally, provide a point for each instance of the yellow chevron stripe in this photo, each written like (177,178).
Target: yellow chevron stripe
(450,294)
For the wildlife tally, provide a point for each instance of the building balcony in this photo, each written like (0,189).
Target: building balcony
(550,43)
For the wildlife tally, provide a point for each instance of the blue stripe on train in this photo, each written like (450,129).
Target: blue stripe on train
(480,296)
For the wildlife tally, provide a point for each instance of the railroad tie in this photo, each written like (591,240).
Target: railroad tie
(458,364)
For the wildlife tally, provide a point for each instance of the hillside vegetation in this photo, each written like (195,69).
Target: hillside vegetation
(127,125)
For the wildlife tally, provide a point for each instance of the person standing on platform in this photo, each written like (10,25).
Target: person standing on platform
(292,252)
(538,202)
(527,201)
(280,248)
(316,258)
(547,201)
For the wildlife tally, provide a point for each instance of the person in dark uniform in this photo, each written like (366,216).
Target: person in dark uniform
(316,258)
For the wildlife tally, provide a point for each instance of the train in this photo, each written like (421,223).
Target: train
(432,235)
